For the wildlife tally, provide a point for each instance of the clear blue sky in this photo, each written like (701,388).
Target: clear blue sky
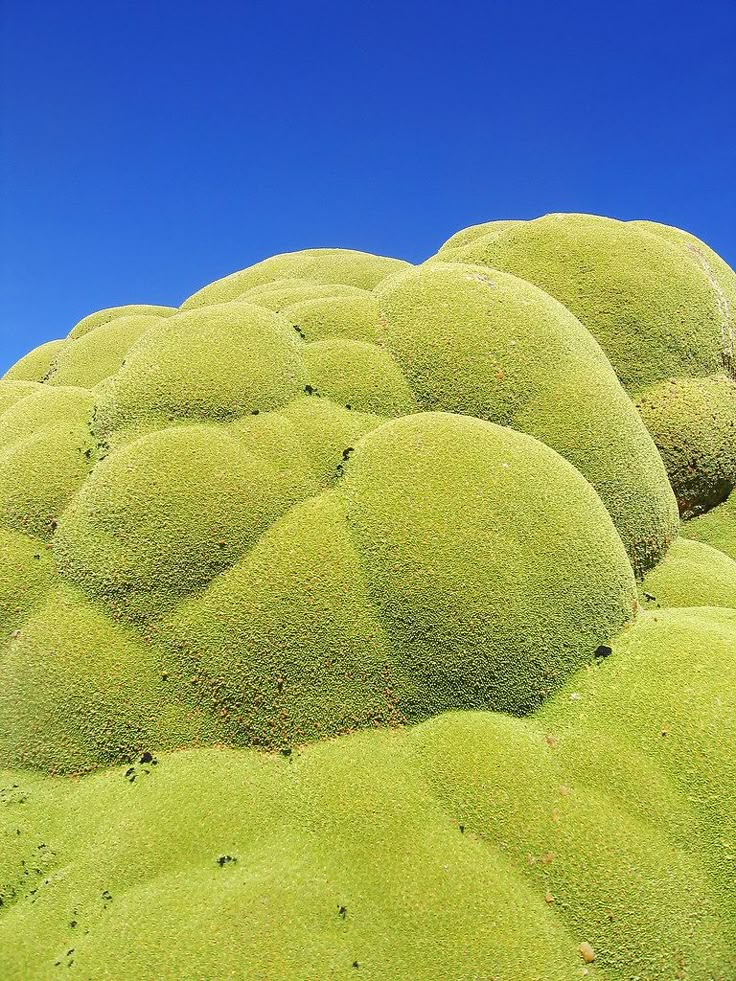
(150,147)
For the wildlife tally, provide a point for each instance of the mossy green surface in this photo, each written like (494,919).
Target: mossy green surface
(646,300)
(323,266)
(87,360)
(353,317)
(357,539)
(100,317)
(276,296)
(718,272)
(691,574)
(717,528)
(693,423)
(474,845)
(34,366)
(487,344)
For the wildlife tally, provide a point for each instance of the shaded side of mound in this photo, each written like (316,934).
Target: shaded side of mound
(599,832)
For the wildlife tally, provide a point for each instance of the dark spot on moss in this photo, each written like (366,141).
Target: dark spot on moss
(462,829)
(224,860)
(342,911)
(603,651)
(309,390)
(255,412)
(346,452)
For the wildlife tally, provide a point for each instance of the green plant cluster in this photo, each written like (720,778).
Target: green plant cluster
(367,619)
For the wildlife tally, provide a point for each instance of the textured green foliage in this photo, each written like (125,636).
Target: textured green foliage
(323,266)
(693,423)
(34,366)
(474,845)
(26,574)
(95,320)
(277,295)
(46,453)
(691,574)
(716,528)
(334,493)
(354,317)
(647,301)
(489,345)
(98,353)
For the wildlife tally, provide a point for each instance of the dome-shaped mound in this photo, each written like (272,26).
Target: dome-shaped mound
(99,353)
(598,832)
(353,317)
(691,574)
(221,362)
(34,366)
(648,301)
(166,513)
(467,235)
(359,375)
(284,292)
(324,266)
(100,317)
(488,344)
(716,528)
(693,423)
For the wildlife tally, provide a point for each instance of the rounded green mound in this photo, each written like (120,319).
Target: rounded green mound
(100,317)
(717,528)
(597,832)
(691,574)
(470,234)
(359,376)
(487,344)
(284,292)
(648,301)
(34,366)
(46,453)
(352,317)
(89,359)
(323,266)
(693,423)
(221,362)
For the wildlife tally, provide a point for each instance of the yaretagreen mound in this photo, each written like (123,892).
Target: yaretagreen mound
(648,301)
(322,651)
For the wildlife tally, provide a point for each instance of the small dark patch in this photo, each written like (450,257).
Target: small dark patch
(348,406)
(88,454)
(299,331)
(147,757)
(342,911)
(462,829)
(346,452)
(356,964)
(309,390)
(106,895)
(650,598)
(255,412)
(603,651)
(224,860)
(286,751)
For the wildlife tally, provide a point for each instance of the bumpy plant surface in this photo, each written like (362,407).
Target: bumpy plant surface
(362,619)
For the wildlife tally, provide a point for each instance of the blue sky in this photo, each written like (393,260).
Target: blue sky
(150,147)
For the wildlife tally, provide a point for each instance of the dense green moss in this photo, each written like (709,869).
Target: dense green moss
(693,423)
(490,345)
(94,320)
(472,845)
(647,301)
(336,492)
(34,366)
(716,528)
(282,293)
(99,353)
(352,317)
(691,574)
(323,266)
